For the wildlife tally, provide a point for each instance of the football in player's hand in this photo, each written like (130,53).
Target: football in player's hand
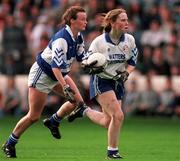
(97,60)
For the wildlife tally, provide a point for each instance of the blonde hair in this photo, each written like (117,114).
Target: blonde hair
(111,16)
(71,13)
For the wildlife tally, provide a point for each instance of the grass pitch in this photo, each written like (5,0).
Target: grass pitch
(142,139)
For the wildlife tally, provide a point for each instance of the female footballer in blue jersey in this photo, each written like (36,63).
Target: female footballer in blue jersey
(50,72)
(107,87)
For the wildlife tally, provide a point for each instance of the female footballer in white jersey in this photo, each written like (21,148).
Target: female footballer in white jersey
(50,72)
(107,87)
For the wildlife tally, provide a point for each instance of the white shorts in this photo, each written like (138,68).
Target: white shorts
(39,80)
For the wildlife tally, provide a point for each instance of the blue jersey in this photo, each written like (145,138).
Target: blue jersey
(61,51)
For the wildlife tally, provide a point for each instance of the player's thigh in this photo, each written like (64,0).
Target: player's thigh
(58,89)
(37,101)
(109,102)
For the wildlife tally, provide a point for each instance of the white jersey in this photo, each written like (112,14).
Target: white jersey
(118,55)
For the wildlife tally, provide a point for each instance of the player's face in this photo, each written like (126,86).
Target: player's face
(81,21)
(121,23)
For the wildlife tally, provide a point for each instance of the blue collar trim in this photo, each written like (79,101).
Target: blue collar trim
(108,39)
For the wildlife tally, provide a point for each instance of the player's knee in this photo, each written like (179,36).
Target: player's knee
(72,106)
(118,116)
(107,122)
(33,119)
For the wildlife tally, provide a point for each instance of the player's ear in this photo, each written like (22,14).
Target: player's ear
(112,24)
(72,21)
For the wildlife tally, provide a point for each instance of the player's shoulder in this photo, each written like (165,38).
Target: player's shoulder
(129,36)
(61,33)
(99,38)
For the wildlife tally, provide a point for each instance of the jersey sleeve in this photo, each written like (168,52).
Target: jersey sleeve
(133,52)
(59,50)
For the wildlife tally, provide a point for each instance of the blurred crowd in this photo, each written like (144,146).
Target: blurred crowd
(150,102)
(26,26)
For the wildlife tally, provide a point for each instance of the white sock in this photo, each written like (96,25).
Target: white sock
(112,149)
(84,112)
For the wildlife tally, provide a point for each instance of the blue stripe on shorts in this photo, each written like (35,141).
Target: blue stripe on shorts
(99,85)
(36,77)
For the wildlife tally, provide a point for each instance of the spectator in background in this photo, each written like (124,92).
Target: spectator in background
(29,59)
(47,7)
(131,99)
(90,36)
(151,12)
(145,62)
(52,103)
(1,104)
(6,7)
(148,100)
(136,12)
(42,27)
(159,65)
(109,5)
(177,106)
(175,8)
(166,22)
(12,98)
(2,25)
(152,18)
(21,18)
(35,13)
(24,5)
(14,45)
(167,100)
(172,57)
(92,8)
(154,36)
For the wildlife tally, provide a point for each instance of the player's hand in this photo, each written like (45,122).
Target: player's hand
(121,76)
(96,70)
(85,64)
(90,68)
(69,93)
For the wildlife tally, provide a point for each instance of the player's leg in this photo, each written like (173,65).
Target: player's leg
(68,107)
(100,118)
(65,109)
(97,117)
(36,104)
(112,107)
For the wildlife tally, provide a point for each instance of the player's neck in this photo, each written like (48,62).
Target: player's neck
(75,32)
(114,34)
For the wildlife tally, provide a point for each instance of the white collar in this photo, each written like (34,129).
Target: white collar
(67,27)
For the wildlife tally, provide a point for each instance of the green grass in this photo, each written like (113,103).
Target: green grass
(142,139)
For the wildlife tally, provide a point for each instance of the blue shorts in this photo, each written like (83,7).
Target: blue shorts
(99,85)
